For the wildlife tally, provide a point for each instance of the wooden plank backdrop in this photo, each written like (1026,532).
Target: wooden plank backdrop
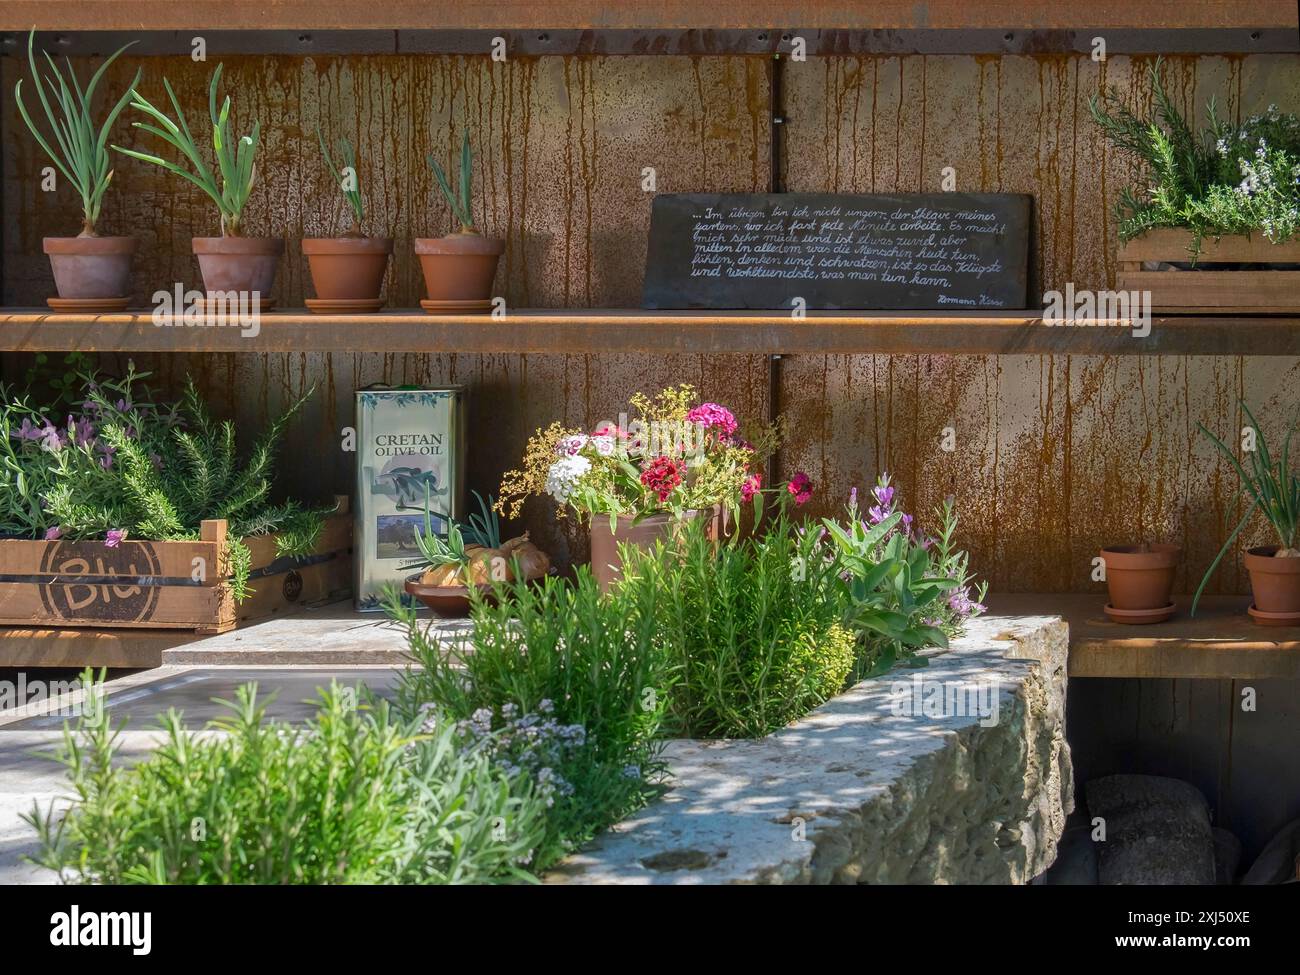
(1055,455)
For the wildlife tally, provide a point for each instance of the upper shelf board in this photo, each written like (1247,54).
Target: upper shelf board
(595,331)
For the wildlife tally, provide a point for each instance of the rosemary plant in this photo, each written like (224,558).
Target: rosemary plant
(82,155)
(230,184)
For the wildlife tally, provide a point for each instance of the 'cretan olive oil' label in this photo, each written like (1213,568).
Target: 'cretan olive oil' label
(410,454)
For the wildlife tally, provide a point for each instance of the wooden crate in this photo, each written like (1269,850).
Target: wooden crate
(166,585)
(1197,291)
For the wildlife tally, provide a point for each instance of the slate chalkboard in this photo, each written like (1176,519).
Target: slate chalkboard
(838,250)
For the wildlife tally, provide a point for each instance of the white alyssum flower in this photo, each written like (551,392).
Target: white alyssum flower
(564,476)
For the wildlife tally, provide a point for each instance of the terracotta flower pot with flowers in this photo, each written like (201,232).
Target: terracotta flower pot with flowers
(232,264)
(348,271)
(677,460)
(1140,580)
(91,273)
(1273,488)
(459,268)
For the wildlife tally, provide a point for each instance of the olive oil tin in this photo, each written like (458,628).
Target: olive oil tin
(410,446)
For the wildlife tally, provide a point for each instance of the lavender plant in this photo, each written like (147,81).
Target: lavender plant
(121,464)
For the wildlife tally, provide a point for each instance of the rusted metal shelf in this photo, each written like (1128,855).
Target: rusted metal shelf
(641,14)
(595,331)
(1220,642)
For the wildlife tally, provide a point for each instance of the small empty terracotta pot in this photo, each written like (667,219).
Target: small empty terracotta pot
(91,268)
(458,271)
(347,269)
(1140,580)
(1275,584)
(239,264)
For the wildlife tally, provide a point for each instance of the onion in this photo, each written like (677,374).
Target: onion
(442,575)
(533,562)
(483,564)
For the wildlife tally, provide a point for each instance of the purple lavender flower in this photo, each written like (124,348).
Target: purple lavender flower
(50,439)
(114,537)
(961,603)
(29,430)
(53,534)
(884,493)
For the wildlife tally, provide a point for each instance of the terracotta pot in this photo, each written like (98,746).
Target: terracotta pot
(459,267)
(1275,584)
(347,268)
(245,264)
(1141,577)
(606,565)
(91,267)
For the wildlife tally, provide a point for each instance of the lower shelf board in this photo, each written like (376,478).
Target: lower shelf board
(1220,642)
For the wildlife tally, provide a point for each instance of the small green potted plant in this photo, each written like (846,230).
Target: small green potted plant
(91,273)
(460,267)
(1273,488)
(231,263)
(348,271)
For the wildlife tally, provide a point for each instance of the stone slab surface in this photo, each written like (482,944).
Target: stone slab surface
(858,793)
(334,635)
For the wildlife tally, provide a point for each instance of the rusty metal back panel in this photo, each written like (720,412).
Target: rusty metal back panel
(1054,456)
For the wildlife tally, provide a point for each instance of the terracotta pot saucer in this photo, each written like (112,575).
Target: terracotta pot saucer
(264,304)
(343,306)
(1273,619)
(1139,616)
(463,307)
(87,306)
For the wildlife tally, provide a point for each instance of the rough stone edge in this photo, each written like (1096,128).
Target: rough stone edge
(718,825)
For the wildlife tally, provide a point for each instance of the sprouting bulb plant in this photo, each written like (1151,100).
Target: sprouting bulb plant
(345,179)
(1272,487)
(460,204)
(232,182)
(82,155)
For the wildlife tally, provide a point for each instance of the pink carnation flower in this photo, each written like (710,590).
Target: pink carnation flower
(714,416)
(801,487)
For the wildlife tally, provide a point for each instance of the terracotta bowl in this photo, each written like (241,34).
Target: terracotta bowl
(451,602)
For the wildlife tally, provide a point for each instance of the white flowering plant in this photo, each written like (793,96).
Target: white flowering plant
(1226,179)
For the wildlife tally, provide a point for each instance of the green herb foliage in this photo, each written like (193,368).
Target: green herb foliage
(1271,485)
(352,796)
(231,183)
(82,154)
(1225,179)
(565,652)
(461,202)
(346,179)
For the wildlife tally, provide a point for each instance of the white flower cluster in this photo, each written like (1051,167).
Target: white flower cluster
(564,475)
